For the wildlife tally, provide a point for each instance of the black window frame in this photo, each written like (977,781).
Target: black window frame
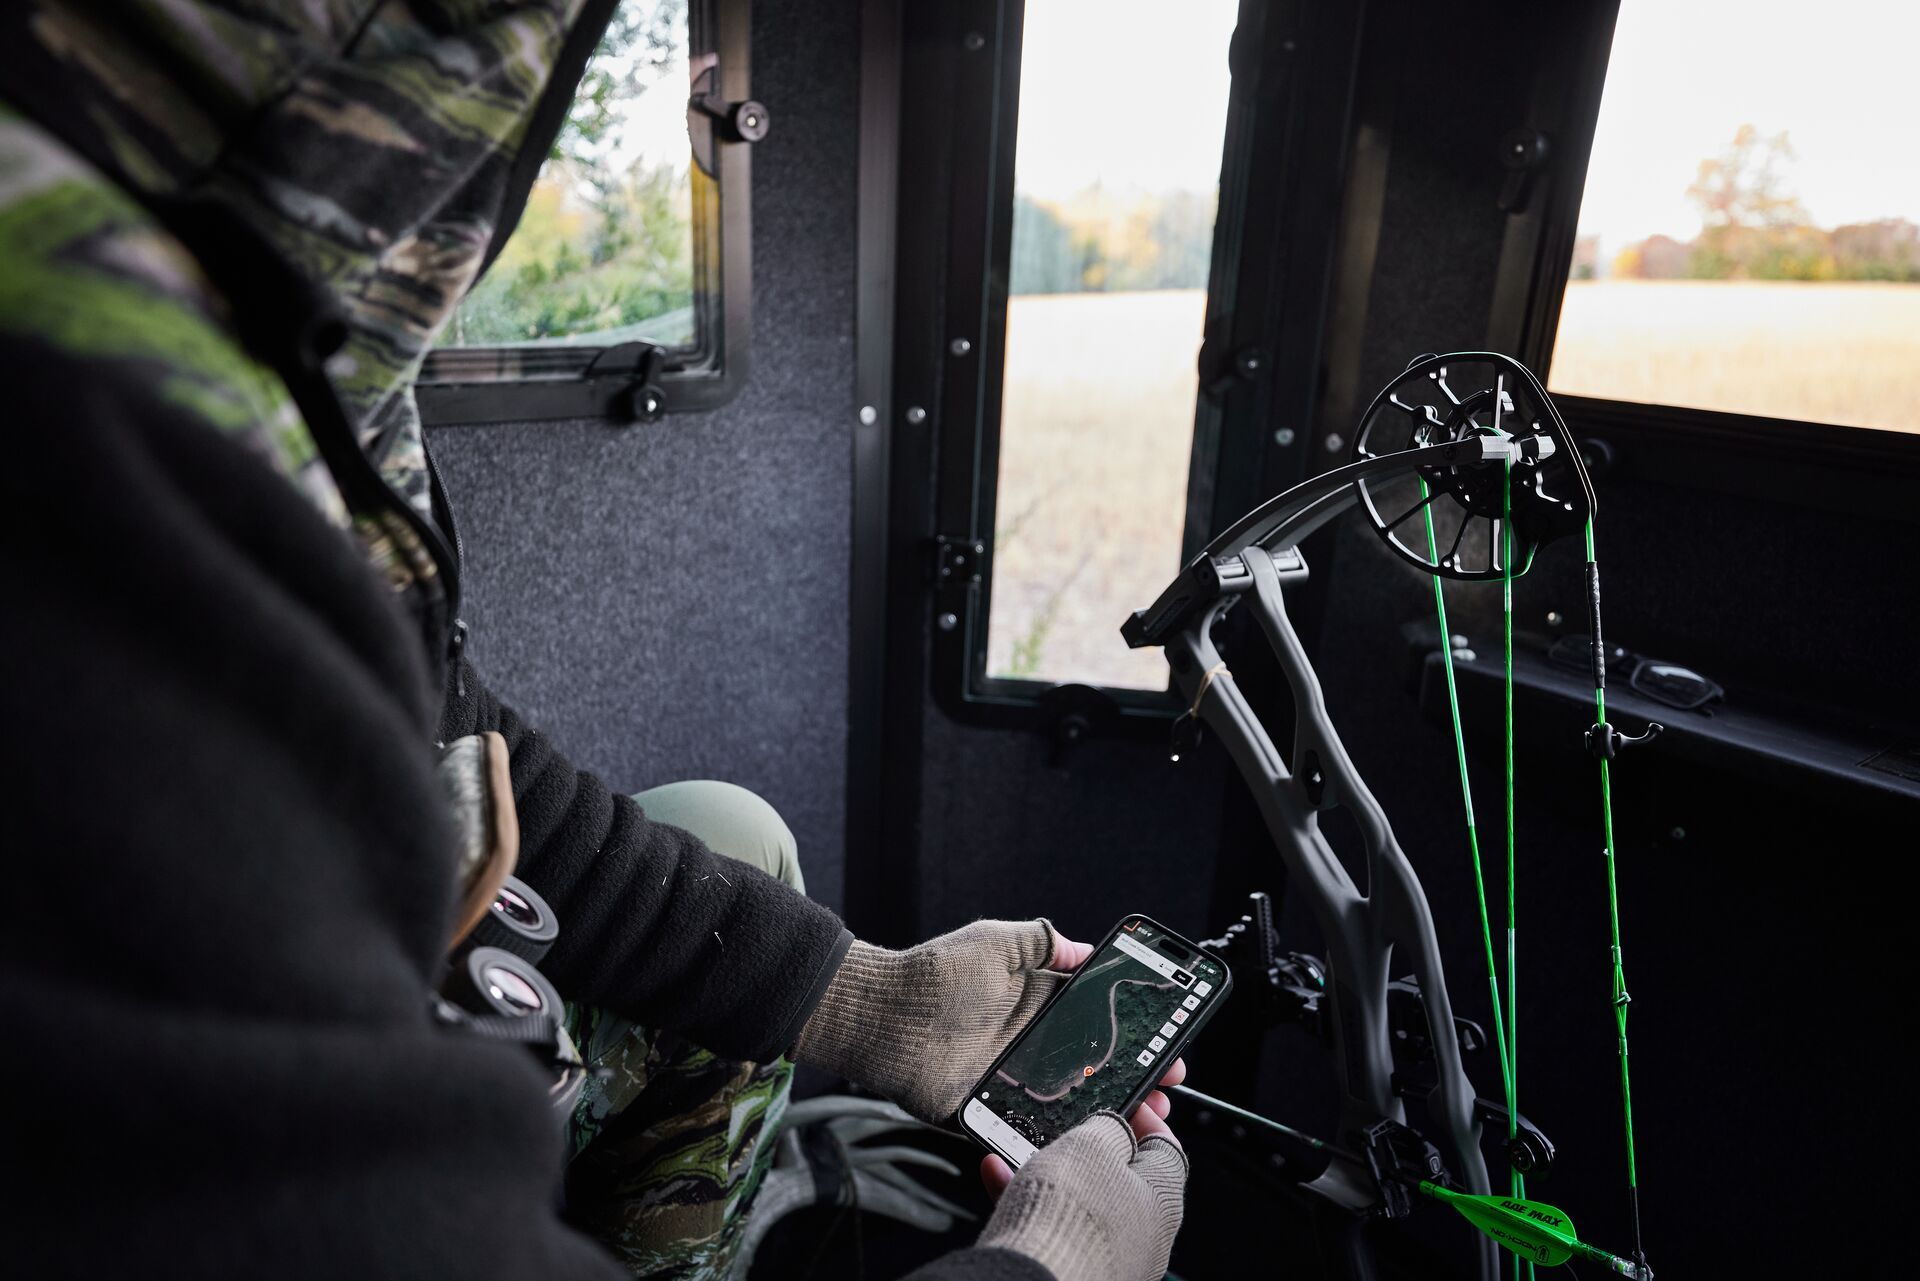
(464,385)
(1831,466)
(1268,279)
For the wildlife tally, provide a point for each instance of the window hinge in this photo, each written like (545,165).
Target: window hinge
(955,562)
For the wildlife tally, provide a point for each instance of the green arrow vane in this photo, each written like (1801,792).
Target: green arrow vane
(1532,1230)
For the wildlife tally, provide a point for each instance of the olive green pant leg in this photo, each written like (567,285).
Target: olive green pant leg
(670,1147)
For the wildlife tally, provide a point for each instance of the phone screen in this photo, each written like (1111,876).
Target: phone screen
(1115,1029)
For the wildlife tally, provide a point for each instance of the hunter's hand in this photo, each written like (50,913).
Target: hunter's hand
(1099,1203)
(921,1026)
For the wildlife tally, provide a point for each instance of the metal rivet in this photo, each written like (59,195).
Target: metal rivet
(1555,618)
(949,621)
(973,42)
(1283,437)
(869,415)
(1678,833)
(1334,442)
(916,415)
(959,346)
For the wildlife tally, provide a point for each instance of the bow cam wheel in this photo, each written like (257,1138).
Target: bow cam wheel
(1447,520)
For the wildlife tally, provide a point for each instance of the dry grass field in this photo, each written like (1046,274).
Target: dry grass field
(1831,353)
(1098,422)
(1096,425)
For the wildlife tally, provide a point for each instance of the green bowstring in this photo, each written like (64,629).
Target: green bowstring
(1505,1018)
(1466,799)
(1500,1034)
(1620,998)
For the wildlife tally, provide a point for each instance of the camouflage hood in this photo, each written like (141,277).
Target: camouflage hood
(381,147)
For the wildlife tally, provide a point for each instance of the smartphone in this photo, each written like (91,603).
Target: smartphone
(1103,1040)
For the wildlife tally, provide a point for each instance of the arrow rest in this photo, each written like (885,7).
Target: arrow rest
(1400,1161)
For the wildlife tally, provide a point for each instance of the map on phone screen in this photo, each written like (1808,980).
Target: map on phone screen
(1104,1037)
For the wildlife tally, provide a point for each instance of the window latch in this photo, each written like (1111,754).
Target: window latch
(1524,154)
(712,118)
(629,376)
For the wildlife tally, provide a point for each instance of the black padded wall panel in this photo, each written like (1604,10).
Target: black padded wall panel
(670,601)
(1118,828)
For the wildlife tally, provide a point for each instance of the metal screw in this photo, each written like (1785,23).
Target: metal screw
(1334,441)
(949,621)
(1678,834)
(1555,618)
(869,415)
(1283,437)
(973,42)
(916,415)
(959,346)
(1458,640)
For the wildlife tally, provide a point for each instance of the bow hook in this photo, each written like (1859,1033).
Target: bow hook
(1604,742)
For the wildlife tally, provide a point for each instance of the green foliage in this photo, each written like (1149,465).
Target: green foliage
(602,244)
(572,270)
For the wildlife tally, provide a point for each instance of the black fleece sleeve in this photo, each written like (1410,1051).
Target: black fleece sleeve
(981,1265)
(229,878)
(653,924)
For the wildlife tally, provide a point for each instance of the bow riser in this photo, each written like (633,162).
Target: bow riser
(1364,933)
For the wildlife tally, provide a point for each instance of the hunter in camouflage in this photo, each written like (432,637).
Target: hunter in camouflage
(372,143)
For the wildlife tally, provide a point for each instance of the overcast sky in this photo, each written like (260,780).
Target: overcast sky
(1838,76)
(1133,94)
(1130,93)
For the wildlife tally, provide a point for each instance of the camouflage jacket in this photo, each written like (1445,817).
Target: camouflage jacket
(370,147)
(261,213)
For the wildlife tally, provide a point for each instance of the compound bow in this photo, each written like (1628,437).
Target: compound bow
(1472,445)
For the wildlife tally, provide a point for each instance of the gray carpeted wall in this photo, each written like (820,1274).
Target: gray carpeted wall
(670,602)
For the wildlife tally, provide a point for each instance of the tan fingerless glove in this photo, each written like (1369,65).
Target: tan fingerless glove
(922,1026)
(1095,1205)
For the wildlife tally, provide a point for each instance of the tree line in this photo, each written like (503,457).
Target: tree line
(1100,243)
(1753,227)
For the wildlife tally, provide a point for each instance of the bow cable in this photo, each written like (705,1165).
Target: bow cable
(1505,1022)
(1505,1012)
(1620,998)
(1502,1027)
(1517,1181)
